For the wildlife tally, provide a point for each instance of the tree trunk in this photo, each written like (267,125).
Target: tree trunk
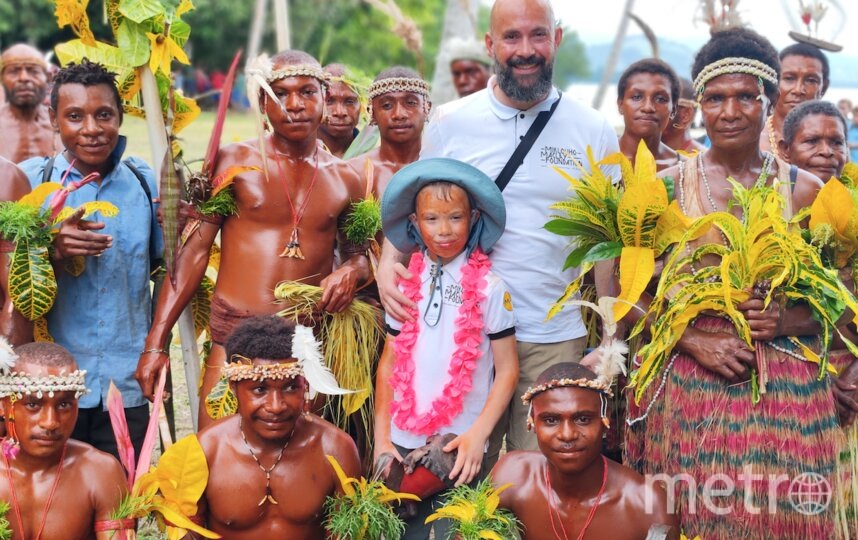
(460,21)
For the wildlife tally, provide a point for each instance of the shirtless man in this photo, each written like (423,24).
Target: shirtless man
(342,104)
(290,208)
(804,75)
(46,474)
(568,480)
(271,453)
(24,120)
(399,104)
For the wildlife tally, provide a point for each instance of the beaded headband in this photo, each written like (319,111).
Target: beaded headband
(309,363)
(685,102)
(300,70)
(734,64)
(591,384)
(244,369)
(19,384)
(399,84)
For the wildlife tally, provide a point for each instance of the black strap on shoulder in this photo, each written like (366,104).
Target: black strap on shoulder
(525,145)
(49,168)
(793,175)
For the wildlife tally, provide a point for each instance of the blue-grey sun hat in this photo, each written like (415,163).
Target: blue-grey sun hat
(397,203)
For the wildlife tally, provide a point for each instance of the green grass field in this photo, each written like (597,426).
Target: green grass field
(239,126)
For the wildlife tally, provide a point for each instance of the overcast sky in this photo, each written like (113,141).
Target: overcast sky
(596,20)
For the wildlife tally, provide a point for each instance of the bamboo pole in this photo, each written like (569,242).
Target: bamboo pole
(611,64)
(255,38)
(159,145)
(281,19)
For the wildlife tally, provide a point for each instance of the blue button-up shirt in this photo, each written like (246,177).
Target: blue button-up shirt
(103,315)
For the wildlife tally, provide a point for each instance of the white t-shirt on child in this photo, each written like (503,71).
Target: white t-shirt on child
(435,347)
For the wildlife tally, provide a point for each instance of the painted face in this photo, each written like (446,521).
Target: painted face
(819,146)
(569,427)
(302,101)
(88,120)
(270,408)
(646,105)
(43,424)
(801,80)
(343,106)
(469,76)
(443,219)
(400,116)
(523,41)
(732,114)
(25,84)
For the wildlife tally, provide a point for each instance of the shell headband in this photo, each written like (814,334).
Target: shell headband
(399,84)
(19,384)
(310,364)
(734,64)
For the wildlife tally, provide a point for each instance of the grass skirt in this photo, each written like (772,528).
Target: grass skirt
(707,430)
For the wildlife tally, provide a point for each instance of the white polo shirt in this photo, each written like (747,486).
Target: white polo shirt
(435,346)
(483,132)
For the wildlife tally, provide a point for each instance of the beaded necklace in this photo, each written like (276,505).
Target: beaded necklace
(552,506)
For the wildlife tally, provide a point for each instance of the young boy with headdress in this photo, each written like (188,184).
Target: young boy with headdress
(436,373)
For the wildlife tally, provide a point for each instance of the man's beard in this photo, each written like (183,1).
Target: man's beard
(519,92)
(26,103)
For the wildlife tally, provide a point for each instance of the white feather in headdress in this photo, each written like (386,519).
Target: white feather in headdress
(258,72)
(308,351)
(7,357)
(612,351)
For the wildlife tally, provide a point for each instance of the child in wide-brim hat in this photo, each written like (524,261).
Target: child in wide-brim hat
(453,367)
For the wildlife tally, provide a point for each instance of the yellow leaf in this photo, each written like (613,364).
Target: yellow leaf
(637,214)
(626,169)
(186,112)
(833,205)
(225,179)
(214,257)
(39,195)
(183,474)
(345,481)
(40,330)
(637,265)
(182,522)
(645,168)
(670,227)
(184,7)
(73,13)
(164,50)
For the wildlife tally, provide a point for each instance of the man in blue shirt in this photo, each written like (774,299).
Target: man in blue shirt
(102,314)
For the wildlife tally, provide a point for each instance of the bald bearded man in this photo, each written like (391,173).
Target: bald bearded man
(24,121)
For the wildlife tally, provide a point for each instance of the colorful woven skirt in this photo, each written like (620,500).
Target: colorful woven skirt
(740,470)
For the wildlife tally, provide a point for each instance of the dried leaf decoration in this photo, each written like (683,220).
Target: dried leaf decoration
(106,208)
(73,13)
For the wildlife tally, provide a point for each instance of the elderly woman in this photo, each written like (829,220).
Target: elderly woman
(731,460)
(814,139)
(646,97)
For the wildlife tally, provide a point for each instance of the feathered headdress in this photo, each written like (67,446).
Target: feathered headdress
(308,351)
(7,357)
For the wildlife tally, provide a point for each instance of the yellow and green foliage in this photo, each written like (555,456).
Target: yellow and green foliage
(634,221)
(475,514)
(363,511)
(762,251)
(171,491)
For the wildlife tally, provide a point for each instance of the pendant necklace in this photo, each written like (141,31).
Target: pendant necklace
(268,497)
(293,248)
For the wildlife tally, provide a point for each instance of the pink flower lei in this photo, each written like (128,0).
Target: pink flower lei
(468,337)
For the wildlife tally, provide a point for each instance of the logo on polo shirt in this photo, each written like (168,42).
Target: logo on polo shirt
(559,156)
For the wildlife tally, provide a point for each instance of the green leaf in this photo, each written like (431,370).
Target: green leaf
(133,43)
(670,185)
(603,251)
(32,284)
(140,10)
(180,31)
(574,259)
(565,227)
